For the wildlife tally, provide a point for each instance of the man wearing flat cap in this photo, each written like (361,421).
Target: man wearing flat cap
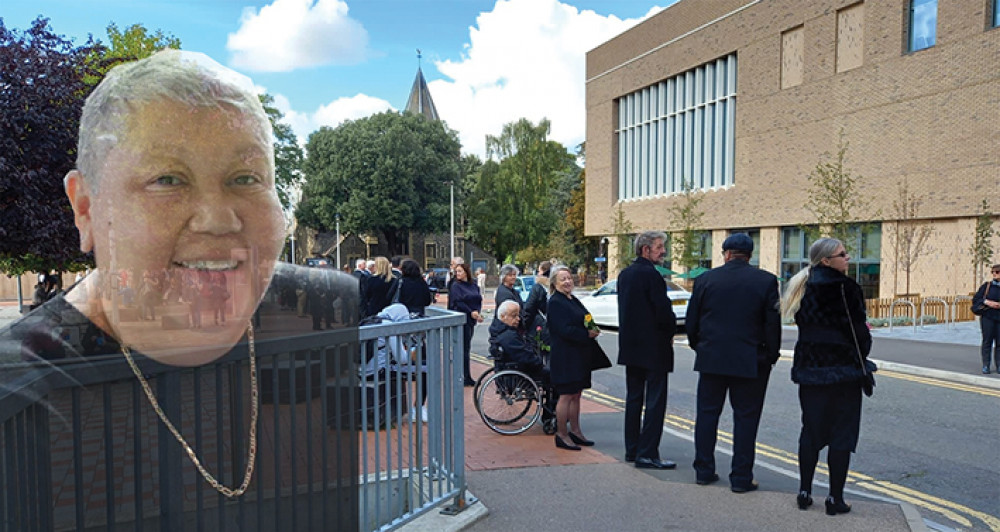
(734,327)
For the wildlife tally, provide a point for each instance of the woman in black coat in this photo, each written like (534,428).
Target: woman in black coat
(414,293)
(986,303)
(536,308)
(380,287)
(505,290)
(829,310)
(464,297)
(573,345)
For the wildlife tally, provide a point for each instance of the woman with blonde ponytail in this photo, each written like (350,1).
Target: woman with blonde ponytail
(829,310)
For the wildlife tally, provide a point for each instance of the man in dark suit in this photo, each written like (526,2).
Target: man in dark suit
(645,347)
(735,329)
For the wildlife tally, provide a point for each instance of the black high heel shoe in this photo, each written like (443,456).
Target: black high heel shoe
(580,441)
(834,507)
(804,500)
(563,445)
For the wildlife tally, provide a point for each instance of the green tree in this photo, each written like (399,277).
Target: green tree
(982,243)
(136,42)
(385,174)
(469,168)
(42,91)
(835,199)
(288,156)
(909,239)
(686,215)
(520,197)
(622,229)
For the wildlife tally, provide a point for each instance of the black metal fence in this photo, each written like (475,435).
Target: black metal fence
(82,449)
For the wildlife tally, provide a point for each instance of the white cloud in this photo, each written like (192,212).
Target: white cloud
(290,34)
(331,114)
(526,58)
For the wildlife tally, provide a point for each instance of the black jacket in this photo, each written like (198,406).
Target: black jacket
(646,320)
(993,295)
(378,294)
(572,346)
(825,352)
(508,345)
(732,321)
(414,294)
(503,294)
(535,308)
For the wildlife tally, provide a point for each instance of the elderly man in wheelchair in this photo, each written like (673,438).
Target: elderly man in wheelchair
(517,392)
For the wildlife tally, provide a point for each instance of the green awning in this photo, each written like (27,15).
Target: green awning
(665,271)
(693,273)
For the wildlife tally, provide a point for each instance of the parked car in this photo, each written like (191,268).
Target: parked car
(603,303)
(522,286)
(437,279)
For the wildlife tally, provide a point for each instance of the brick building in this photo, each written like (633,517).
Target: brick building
(743,97)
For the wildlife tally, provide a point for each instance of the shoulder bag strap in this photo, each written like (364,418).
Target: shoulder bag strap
(850,322)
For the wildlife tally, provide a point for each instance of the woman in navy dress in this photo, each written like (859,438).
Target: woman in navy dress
(572,347)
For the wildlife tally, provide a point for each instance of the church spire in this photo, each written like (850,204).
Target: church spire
(420,101)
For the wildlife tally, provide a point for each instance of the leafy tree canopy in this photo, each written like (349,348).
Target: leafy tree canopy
(136,42)
(523,189)
(387,173)
(43,85)
(288,156)
(42,90)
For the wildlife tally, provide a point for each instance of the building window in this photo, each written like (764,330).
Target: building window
(681,130)
(996,13)
(430,255)
(791,57)
(850,37)
(865,249)
(923,24)
(755,236)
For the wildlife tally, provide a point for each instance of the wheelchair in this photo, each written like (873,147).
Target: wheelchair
(510,401)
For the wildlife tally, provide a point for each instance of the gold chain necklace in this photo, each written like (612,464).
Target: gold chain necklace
(251,452)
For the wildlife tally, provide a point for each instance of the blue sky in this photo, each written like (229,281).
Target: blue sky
(488,62)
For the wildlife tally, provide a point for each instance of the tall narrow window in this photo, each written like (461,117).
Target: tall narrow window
(678,131)
(791,57)
(850,37)
(923,24)
(996,13)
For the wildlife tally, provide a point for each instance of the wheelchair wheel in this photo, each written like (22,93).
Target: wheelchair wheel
(549,426)
(479,384)
(509,402)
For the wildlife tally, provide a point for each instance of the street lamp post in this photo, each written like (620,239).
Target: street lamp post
(337,217)
(452,226)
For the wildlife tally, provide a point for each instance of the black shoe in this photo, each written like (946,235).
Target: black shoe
(986,370)
(836,507)
(804,500)
(469,382)
(563,445)
(629,458)
(752,486)
(580,441)
(704,481)
(654,463)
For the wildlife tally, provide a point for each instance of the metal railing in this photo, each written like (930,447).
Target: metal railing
(81,448)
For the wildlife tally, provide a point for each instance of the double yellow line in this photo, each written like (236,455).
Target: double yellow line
(958,513)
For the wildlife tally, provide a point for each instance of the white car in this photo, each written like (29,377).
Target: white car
(603,303)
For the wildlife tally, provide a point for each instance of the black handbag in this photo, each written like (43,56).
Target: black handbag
(982,308)
(867,368)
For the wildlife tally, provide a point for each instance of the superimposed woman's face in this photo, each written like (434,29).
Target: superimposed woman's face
(460,274)
(187,191)
(508,280)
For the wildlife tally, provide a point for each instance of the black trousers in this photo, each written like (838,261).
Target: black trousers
(746,397)
(642,433)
